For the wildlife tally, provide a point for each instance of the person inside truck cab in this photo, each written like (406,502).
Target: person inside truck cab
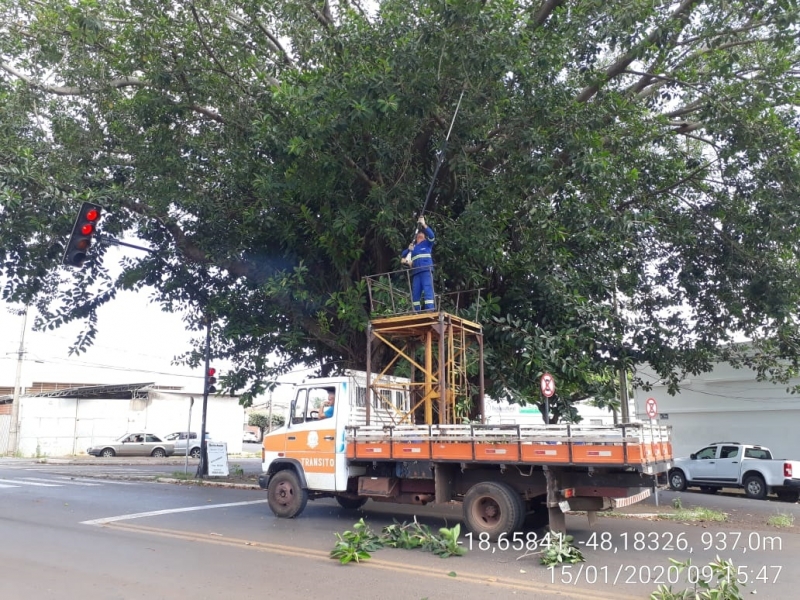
(327,407)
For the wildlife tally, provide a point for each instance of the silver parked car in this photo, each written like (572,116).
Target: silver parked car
(134,444)
(178,439)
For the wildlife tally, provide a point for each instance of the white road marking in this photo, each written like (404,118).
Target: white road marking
(61,480)
(21,482)
(105,481)
(169,511)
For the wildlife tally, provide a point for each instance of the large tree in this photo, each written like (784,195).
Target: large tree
(621,180)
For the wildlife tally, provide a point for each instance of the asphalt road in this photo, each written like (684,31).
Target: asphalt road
(68,534)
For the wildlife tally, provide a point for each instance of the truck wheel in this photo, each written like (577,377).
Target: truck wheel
(677,480)
(195,453)
(351,503)
(789,496)
(754,487)
(493,507)
(285,496)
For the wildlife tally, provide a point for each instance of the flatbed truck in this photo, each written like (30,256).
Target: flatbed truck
(507,477)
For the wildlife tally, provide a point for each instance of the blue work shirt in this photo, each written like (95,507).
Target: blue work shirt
(422,254)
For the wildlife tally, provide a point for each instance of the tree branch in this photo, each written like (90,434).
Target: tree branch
(272,41)
(685,110)
(323,17)
(210,53)
(359,171)
(359,8)
(666,189)
(545,10)
(120,82)
(653,39)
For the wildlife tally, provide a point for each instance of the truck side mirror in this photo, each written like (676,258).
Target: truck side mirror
(693,456)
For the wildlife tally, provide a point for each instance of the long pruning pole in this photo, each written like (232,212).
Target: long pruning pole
(440,158)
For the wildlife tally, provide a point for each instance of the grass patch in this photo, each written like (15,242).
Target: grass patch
(182,475)
(696,514)
(781,520)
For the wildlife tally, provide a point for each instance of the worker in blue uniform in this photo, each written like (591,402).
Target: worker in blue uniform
(419,257)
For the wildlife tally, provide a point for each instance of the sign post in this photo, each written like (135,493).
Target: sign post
(188,435)
(217,459)
(651,408)
(548,386)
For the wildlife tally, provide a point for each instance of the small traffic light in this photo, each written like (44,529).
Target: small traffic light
(211,380)
(82,232)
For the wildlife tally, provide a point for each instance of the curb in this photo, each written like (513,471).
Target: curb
(116,461)
(206,483)
(172,480)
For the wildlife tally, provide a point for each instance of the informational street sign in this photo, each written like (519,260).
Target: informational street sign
(217,459)
(548,385)
(651,408)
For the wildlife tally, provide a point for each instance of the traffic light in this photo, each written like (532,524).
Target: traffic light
(82,232)
(211,380)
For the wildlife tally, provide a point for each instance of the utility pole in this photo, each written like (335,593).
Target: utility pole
(623,395)
(269,418)
(623,376)
(202,468)
(13,437)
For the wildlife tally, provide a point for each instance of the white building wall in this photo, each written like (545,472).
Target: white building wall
(67,426)
(726,405)
(501,412)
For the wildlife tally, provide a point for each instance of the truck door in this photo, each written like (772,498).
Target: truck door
(311,435)
(729,464)
(705,463)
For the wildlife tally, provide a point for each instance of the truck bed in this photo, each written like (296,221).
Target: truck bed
(637,446)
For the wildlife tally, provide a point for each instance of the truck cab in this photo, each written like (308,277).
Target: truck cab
(309,452)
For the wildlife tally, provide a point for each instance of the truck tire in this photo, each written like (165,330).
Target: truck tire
(493,507)
(351,503)
(789,496)
(754,487)
(285,496)
(677,480)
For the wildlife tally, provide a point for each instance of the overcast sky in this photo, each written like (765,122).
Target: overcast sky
(136,343)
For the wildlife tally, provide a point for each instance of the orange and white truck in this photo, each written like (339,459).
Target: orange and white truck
(506,476)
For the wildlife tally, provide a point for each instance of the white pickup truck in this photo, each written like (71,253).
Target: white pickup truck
(734,465)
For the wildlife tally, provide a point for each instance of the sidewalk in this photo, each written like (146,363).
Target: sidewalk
(240,480)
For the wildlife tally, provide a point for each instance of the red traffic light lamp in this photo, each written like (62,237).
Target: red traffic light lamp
(211,380)
(81,238)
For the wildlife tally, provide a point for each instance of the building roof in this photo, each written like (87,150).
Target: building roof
(125,391)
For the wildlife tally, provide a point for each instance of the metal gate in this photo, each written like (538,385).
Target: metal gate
(5,430)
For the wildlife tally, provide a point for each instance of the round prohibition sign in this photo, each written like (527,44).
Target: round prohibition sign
(651,407)
(548,385)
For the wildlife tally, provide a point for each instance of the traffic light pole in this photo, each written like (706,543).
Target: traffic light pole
(202,468)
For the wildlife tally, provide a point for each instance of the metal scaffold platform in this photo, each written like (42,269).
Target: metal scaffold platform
(443,350)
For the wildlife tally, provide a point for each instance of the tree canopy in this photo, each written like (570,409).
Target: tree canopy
(621,180)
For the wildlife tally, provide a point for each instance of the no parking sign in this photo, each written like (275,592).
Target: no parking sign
(651,408)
